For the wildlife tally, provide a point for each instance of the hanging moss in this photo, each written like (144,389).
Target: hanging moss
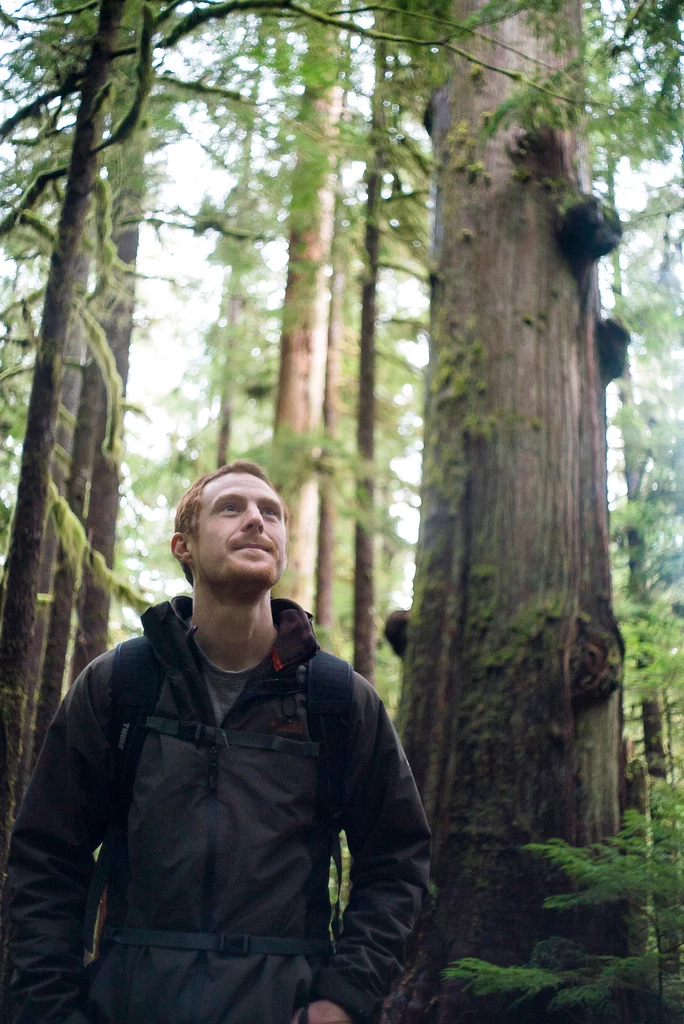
(97,342)
(40,226)
(144,76)
(78,551)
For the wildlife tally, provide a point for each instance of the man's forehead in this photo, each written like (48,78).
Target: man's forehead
(238,484)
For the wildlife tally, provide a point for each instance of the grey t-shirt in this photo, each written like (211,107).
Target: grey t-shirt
(224,687)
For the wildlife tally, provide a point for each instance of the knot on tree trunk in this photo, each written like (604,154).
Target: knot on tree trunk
(613,339)
(396,631)
(595,665)
(587,230)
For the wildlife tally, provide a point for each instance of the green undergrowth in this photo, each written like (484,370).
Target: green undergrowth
(636,877)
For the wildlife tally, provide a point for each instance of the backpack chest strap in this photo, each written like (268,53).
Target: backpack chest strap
(207,735)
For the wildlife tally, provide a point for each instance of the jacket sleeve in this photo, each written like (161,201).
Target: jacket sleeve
(389,841)
(62,820)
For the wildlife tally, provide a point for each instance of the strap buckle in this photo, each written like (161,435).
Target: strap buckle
(233,945)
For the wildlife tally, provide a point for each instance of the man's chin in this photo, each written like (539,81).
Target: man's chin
(251,582)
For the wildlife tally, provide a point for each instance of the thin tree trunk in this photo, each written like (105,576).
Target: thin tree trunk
(301,383)
(64,586)
(364,592)
(513,665)
(103,503)
(23,562)
(235,304)
(70,392)
(325,568)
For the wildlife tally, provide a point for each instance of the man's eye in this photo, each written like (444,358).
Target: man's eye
(270,512)
(229,507)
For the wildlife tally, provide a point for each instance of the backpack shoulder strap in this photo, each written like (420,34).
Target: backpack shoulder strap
(136,681)
(328,704)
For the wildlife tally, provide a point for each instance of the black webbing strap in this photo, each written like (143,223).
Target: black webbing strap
(228,945)
(206,735)
(136,679)
(328,704)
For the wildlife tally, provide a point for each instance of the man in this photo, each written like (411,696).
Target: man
(222,836)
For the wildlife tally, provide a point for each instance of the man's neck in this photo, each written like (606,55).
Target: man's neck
(233,634)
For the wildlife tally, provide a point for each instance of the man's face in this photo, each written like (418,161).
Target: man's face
(239,539)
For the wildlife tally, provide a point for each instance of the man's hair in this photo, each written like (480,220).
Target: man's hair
(187,510)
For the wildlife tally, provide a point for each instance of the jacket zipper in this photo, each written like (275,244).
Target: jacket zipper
(212,819)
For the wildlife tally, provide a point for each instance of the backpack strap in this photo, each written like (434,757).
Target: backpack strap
(136,681)
(328,707)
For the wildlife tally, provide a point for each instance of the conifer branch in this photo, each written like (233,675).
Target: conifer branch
(40,226)
(32,109)
(444,44)
(201,15)
(200,224)
(144,76)
(14,371)
(199,89)
(420,275)
(67,12)
(30,198)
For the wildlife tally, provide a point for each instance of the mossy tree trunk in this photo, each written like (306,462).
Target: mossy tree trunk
(70,392)
(103,503)
(303,343)
(511,702)
(65,578)
(23,561)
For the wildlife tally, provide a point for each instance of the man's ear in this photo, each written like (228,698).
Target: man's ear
(180,550)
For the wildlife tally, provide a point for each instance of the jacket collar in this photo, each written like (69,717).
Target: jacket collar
(167,626)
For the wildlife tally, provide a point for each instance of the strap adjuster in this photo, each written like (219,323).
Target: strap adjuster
(233,945)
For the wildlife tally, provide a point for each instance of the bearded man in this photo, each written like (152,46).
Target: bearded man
(216,852)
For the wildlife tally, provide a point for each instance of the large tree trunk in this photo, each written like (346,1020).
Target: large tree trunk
(23,561)
(510,710)
(301,382)
(325,568)
(364,590)
(103,503)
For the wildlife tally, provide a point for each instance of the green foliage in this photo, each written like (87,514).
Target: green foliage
(638,872)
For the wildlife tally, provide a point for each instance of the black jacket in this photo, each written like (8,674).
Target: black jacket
(244,855)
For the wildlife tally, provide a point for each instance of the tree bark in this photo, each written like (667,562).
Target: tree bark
(325,568)
(364,559)
(235,304)
(511,702)
(103,503)
(303,343)
(23,561)
(65,581)
(70,392)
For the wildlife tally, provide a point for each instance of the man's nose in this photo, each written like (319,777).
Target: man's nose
(253,517)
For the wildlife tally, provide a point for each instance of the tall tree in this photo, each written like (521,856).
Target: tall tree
(325,566)
(301,382)
(511,703)
(103,504)
(364,600)
(69,400)
(23,561)
(65,578)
